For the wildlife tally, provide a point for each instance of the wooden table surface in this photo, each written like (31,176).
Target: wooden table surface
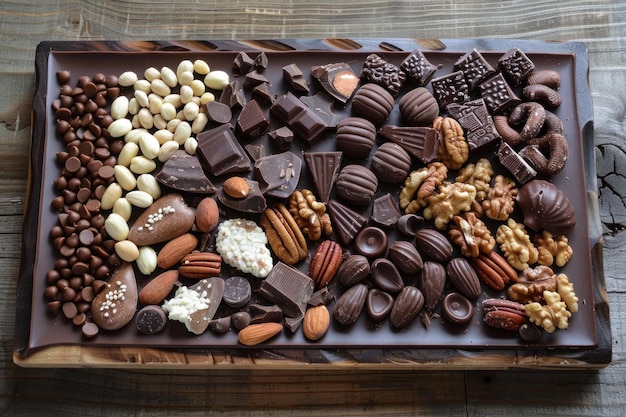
(601,24)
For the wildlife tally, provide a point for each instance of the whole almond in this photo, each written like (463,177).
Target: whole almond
(158,288)
(175,250)
(236,187)
(259,333)
(316,322)
(207,215)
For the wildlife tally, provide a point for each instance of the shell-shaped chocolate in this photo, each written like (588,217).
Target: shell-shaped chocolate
(356,185)
(354,269)
(545,207)
(418,107)
(391,163)
(406,307)
(464,278)
(372,102)
(348,307)
(434,244)
(431,283)
(405,257)
(355,137)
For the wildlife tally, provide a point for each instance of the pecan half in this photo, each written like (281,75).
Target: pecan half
(504,314)
(325,263)
(283,234)
(200,265)
(493,270)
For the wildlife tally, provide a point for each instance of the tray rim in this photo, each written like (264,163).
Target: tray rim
(599,356)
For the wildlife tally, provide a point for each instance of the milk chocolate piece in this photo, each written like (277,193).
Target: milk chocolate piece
(252,121)
(355,137)
(240,320)
(515,65)
(405,257)
(115,306)
(183,172)
(323,296)
(337,79)
(418,68)
(218,112)
(263,314)
(372,102)
(167,218)
(379,304)
(384,73)
(418,107)
(457,309)
(151,319)
(391,163)
(212,290)
(356,185)
(385,211)
(294,77)
(475,68)
(255,151)
(450,88)
(278,174)
(354,269)
(237,291)
(288,288)
(371,242)
(545,207)
(515,164)
(348,307)
(346,222)
(498,96)
(254,202)
(324,168)
(220,153)
(474,117)
(386,276)
(406,307)
(300,118)
(282,138)
(420,142)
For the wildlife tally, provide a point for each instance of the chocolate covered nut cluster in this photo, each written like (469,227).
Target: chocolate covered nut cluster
(213,178)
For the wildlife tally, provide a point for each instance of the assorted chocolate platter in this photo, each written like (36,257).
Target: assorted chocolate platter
(310,195)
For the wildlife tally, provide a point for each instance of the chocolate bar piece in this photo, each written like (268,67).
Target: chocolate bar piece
(516,165)
(322,104)
(386,74)
(421,142)
(278,174)
(282,138)
(324,168)
(450,88)
(293,75)
(183,172)
(288,288)
(254,202)
(385,211)
(474,117)
(220,153)
(300,118)
(498,95)
(252,121)
(347,223)
(475,68)
(418,68)
(515,65)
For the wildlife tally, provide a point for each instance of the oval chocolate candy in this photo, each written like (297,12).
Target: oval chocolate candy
(379,304)
(386,276)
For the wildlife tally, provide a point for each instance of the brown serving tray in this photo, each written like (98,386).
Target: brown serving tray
(44,340)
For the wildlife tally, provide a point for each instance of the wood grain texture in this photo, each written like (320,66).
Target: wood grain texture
(88,392)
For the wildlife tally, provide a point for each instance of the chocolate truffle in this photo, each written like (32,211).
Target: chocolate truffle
(545,207)
(372,102)
(356,185)
(355,137)
(391,163)
(418,107)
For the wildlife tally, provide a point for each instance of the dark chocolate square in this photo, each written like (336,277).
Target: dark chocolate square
(379,71)
(450,88)
(418,68)
(475,68)
(498,95)
(515,65)
(474,117)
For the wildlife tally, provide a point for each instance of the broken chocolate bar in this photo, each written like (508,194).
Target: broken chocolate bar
(184,172)
(300,118)
(498,95)
(252,121)
(220,153)
(475,68)
(294,77)
(278,174)
(474,117)
(516,165)
(347,223)
(288,288)
(421,142)
(450,88)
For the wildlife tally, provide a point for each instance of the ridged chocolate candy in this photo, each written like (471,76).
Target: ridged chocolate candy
(373,102)
(391,163)
(405,257)
(464,278)
(431,283)
(434,244)
(355,137)
(348,307)
(406,307)
(418,107)
(356,185)
(354,269)
(545,207)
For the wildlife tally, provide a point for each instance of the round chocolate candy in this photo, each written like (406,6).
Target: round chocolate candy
(529,332)
(237,291)
(457,309)
(151,319)
(356,185)
(391,163)
(371,242)
(355,137)
(418,107)
(379,304)
(386,276)
(372,102)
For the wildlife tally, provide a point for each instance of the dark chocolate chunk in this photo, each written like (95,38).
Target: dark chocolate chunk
(474,117)
(354,269)
(355,137)
(323,105)
(184,172)
(262,92)
(457,309)
(282,138)
(220,153)
(261,61)
(386,276)
(293,323)
(278,174)
(475,68)
(237,291)
(371,242)
(252,121)
(233,95)
(305,123)
(421,142)
(379,304)
(323,296)
(391,163)
(385,211)
(151,319)
(242,63)
(349,305)
(254,202)
(356,185)
(324,168)
(255,151)
(240,320)
(515,164)
(254,79)
(294,77)
(405,257)
(346,222)
(218,112)
(372,102)
(337,79)
(418,68)
(529,332)
(515,65)
(221,325)
(498,95)
(378,70)
(450,88)
(263,314)
(288,288)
